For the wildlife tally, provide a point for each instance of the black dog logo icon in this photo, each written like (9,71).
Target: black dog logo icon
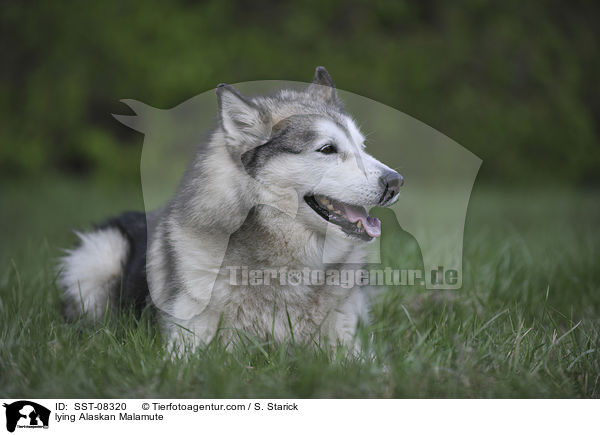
(30,412)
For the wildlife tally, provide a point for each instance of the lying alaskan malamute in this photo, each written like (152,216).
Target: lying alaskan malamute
(279,177)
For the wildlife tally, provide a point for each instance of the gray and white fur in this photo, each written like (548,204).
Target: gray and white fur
(247,199)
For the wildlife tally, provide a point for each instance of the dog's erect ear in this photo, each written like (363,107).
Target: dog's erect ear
(239,117)
(323,78)
(323,86)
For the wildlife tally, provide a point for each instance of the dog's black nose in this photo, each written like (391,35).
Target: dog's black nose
(391,182)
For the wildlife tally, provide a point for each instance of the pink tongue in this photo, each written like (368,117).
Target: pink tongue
(372,225)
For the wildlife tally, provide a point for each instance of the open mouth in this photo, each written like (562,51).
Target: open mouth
(352,219)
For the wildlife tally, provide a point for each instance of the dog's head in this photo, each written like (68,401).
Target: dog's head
(306,141)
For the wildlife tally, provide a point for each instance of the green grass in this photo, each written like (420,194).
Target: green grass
(525,324)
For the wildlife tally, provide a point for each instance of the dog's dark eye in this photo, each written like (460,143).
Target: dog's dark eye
(328,149)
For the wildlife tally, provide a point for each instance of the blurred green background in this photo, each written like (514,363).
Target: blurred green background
(514,82)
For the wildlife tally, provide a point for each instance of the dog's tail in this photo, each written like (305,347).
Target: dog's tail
(100,270)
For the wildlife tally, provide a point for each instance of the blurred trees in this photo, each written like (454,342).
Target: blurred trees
(514,82)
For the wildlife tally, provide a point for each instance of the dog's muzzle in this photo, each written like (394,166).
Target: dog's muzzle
(391,182)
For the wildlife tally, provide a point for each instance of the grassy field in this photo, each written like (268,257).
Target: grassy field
(525,324)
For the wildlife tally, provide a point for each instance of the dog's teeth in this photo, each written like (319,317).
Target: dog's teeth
(329,207)
(337,212)
(359,224)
